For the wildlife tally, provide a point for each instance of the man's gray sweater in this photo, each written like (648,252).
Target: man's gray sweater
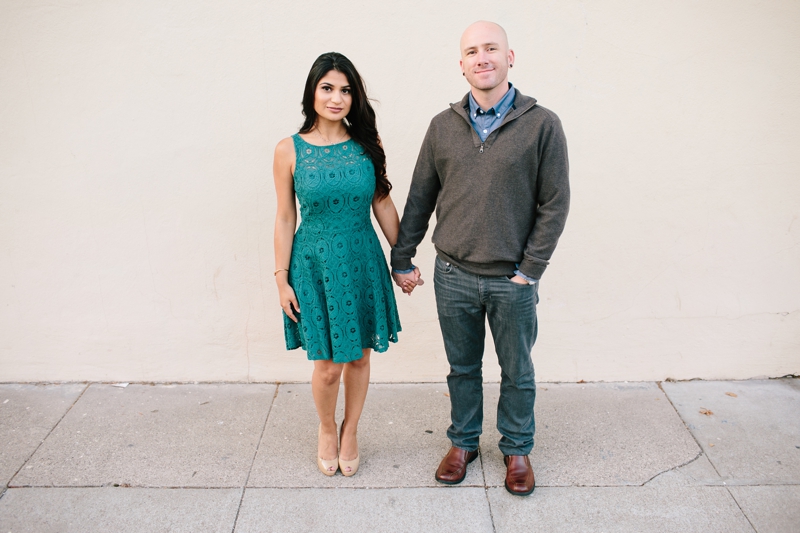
(498,203)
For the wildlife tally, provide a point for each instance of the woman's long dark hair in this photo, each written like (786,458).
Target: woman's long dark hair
(360,121)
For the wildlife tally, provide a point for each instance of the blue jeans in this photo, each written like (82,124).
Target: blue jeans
(464,301)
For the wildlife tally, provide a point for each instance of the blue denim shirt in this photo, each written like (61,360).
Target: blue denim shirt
(485,122)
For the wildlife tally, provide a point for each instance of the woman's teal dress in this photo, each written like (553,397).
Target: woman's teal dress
(338,270)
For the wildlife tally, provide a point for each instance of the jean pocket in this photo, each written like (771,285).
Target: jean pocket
(442,266)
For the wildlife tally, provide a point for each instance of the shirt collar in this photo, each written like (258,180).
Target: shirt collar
(500,108)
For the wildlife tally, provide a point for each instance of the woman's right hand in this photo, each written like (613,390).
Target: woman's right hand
(288,301)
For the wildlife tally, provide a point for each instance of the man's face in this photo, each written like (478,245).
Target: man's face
(485,56)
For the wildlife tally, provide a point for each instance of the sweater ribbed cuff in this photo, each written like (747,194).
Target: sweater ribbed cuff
(533,268)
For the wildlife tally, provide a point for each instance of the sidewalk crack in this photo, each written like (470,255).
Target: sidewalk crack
(690,461)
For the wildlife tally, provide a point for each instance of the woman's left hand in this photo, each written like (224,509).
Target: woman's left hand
(289,301)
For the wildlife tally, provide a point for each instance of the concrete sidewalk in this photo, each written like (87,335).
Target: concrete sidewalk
(690,456)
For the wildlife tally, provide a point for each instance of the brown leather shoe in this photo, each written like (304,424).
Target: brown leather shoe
(519,475)
(453,468)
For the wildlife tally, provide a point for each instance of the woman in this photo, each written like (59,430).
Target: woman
(333,282)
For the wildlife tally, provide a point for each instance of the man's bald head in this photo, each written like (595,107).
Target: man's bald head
(482,32)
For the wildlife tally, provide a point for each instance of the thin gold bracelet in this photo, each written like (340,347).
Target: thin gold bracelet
(279,270)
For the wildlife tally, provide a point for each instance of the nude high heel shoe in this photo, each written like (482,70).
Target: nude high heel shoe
(352,465)
(326,467)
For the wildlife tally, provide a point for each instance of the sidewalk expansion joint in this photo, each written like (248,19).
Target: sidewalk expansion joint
(486,489)
(48,434)
(685,425)
(741,510)
(126,487)
(411,487)
(407,487)
(255,454)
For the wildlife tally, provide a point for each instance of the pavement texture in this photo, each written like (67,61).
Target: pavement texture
(700,456)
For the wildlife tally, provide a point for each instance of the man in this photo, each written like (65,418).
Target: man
(494,166)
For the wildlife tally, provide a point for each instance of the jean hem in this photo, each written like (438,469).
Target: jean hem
(516,452)
(465,448)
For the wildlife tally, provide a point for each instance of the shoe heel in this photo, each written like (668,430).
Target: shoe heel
(326,467)
(352,465)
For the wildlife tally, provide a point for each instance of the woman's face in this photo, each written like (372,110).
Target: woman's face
(332,99)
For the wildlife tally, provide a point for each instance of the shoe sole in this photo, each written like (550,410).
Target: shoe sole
(516,493)
(456,482)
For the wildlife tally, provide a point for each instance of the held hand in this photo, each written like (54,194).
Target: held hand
(401,279)
(288,301)
(409,281)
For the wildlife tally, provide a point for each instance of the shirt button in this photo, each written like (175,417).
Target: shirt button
(484,131)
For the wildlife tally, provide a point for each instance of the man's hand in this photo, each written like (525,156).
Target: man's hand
(519,280)
(409,281)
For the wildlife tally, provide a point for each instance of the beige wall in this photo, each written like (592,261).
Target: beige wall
(136,198)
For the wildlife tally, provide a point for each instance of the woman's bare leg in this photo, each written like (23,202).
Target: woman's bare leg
(325,388)
(356,383)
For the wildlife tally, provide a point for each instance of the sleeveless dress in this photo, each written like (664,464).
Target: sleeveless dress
(338,270)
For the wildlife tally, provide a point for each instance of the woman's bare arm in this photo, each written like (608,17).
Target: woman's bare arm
(285,223)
